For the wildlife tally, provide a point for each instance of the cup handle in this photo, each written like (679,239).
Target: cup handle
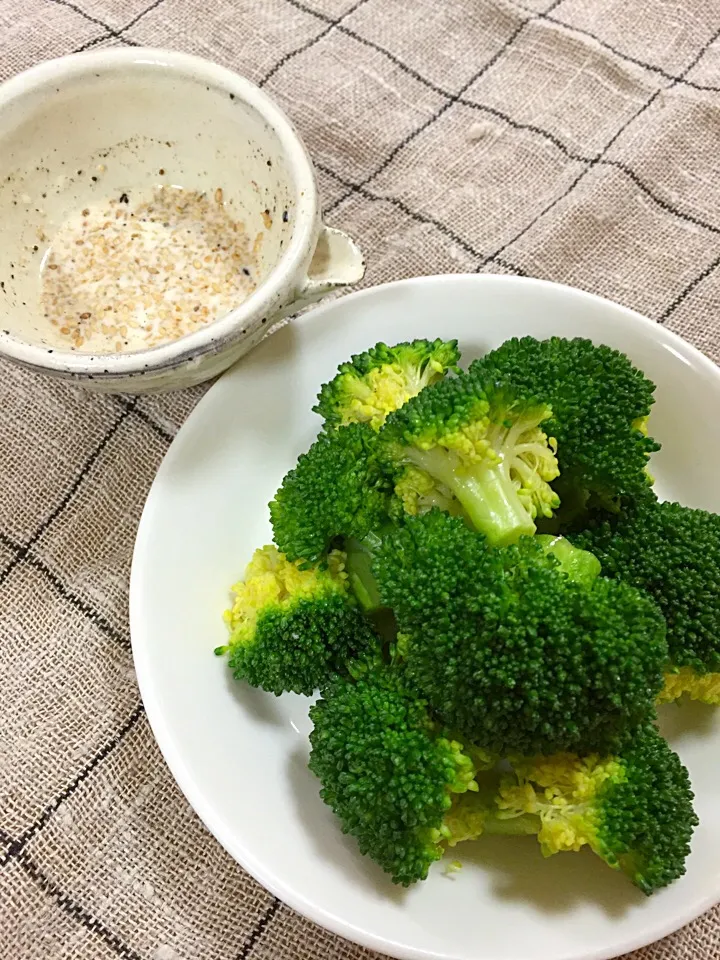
(337,261)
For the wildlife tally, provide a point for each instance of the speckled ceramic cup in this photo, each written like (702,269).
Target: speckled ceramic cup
(76,130)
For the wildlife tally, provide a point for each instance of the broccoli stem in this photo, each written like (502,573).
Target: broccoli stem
(525,826)
(579,565)
(360,554)
(487,494)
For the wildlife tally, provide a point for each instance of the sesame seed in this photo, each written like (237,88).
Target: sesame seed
(177,270)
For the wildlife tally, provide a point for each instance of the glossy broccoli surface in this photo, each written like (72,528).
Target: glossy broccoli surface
(375,383)
(480,444)
(293,629)
(508,649)
(600,404)
(633,808)
(388,772)
(337,489)
(673,553)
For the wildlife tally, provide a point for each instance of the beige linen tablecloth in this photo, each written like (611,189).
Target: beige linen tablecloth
(577,140)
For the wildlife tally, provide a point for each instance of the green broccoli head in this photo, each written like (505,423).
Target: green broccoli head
(480,444)
(292,628)
(373,384)
(508,649)
(672,552)
(387,771)
(600,404)
(633,808)
(337,489)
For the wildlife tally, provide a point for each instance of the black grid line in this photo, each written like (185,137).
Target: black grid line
(331,24)
(566,193)
(76,911)
(153,424)
(83,472)
(76,601)
(117,33)
(598,159)
(454,98)
(348,31)
(93,43)
(259,929)
(17,846)
(624,56)
(87,16)
(415,215)
(143,13)
(672,307)
(5,837)
(515,124)
(595,162)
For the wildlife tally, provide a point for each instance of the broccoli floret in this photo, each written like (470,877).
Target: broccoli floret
(600,404)
(479,444)
(381,380)
(579,565)
(337,489)
(672,552)
(510,651)
(477,814)
(633,808)
(292,628)
(388,772)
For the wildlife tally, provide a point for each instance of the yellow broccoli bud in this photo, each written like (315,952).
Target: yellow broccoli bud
(704,687)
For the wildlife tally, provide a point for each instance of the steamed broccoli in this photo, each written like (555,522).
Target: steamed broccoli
(672,552)
(509,650)
(336,489)
(633,808)
(480,444)
(389,772)
(600,404)
(292,628)
(376,382)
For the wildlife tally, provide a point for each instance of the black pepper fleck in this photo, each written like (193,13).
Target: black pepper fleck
(232,96)
(285,216)
(161,171)
(35,248)
(269,163)
(94,179)
(246,271)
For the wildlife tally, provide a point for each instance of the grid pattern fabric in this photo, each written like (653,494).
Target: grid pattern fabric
(574,140)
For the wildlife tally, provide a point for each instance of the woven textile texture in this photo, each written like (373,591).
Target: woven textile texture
(575,140)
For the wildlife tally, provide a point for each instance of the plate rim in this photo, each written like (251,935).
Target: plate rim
(171,752)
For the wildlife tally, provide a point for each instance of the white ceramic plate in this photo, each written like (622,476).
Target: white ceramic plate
(240,755)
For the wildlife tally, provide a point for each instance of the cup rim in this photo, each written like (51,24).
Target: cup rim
(264,299)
